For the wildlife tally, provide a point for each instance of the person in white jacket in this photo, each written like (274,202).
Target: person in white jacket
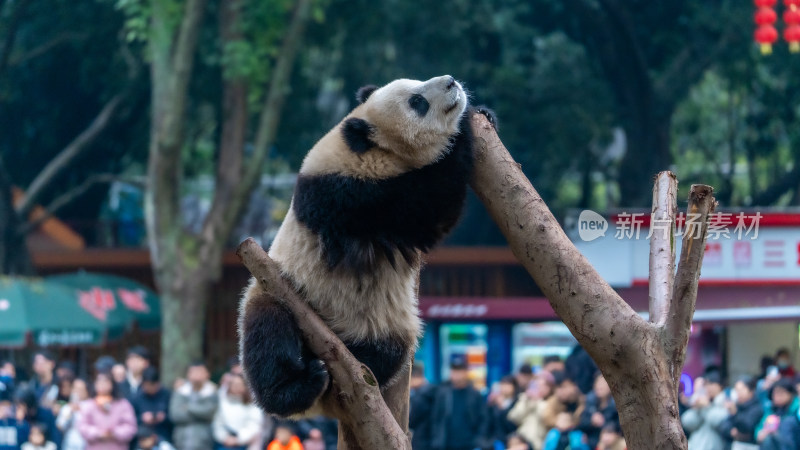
(238,422)
(68,417)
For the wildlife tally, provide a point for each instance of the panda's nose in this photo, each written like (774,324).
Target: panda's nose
(451,83)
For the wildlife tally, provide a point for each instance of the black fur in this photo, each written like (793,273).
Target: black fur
(384,357)
(364,92)
(284,376)
(356,135)
(360,221)
(490,116)
(419,104)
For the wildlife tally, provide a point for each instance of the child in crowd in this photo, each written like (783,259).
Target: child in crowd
(37,440)
(285,439)
(148,439)
(314,440)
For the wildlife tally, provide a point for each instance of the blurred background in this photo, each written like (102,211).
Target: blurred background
(145,139)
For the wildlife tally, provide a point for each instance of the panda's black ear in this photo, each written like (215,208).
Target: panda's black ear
(364,92)
(356,135)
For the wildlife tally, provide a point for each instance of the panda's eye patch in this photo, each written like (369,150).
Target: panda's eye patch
(419,104)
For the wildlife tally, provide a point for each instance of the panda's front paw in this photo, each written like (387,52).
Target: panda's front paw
(490,116)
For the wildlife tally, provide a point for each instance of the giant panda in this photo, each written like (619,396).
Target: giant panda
(383,186)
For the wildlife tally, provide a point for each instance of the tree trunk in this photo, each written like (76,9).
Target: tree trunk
(183,315)
(14,256)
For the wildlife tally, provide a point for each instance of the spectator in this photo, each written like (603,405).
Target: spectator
(524,375)
(107,420)
(566,398)
(148,439)
(527,412)
(151,404)
(458,413)
(783,406)
(28,407)
(706,414)
(564,436)
(553,364)
(600,410)
(66,369)
(783,359)
(105,364)
(745,414)
(234,367)
(516,442)
(136,360)
(419,420)
(64,392)
(237,422)
(68,417)
(192,408)
(43,384)
(37,440)
(120,375)
(581,368)
(611,437)
(499,426)
(314,441)
(13,427)
(327,427)
(285,438)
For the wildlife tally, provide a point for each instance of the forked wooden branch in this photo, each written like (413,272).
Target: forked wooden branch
(662,246)
(354,397)
(640,359)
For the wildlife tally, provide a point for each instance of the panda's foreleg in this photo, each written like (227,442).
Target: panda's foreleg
(384,357)
(285,377)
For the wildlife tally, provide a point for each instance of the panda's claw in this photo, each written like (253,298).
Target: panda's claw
(490,116)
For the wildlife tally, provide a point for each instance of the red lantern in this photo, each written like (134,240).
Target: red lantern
(791,17)
(765,16)
(789,3)
(766,35)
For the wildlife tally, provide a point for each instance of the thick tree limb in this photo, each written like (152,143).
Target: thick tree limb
(662,246)
(77,147)
(354,397)
(639,359)
(584,301)
(681,308)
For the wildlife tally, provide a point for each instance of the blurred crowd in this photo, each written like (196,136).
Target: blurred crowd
(564,405)
(124,406)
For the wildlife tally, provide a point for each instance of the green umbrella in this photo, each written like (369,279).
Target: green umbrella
(47,312)
(114,299)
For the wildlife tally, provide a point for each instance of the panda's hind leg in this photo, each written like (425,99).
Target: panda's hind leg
(284,376)
(384,357)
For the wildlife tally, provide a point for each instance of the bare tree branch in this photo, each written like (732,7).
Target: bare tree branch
(278,88)
(78,146)
(681,308)
(11,34)
(46,47)
(354,398)
(220,218)
(72,195)
(662,246)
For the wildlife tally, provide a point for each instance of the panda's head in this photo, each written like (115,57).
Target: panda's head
(413,120)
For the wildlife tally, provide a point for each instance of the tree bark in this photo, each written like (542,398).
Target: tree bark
(183,313)
(640,360)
